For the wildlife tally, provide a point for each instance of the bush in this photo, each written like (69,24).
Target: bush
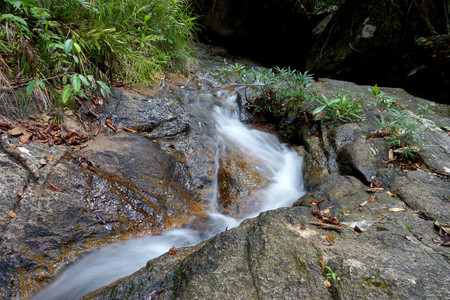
(274,92)
(62,46)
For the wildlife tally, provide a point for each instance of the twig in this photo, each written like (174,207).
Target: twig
(18,155)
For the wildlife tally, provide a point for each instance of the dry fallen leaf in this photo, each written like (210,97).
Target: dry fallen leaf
(45,118)
(19,193)
(53,188)
(372,198)
(445,228)
(375,189)
(18,130)
(396,209)
(326,226)
(364,203)
(327,284)
(35,119)
(326,211)
(316,202)
(43,161)
(330,238)
(389,193)
(357,229)
(443,240)
(410,238)
(24,138)
(303,227)
(170,103)
(173,251)
(12,214)
(318,116)
(68,113)
(316,213)
(130,130)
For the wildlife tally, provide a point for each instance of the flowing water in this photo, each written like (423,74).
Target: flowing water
(282,166)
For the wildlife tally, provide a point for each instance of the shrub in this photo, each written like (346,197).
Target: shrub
(64,47)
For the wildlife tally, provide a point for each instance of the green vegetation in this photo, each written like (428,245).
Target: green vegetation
(385,100)
(331,275)
(401,132)
(424,111)
(342,107)
(274,92)
(61,49)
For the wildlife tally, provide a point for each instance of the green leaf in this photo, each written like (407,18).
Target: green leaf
(77,47)
(41,84)
(319,109)
(104,86)
(375,90)
(30,87)
(103,93)
(333,101)
(68,46)
(76,82)
(67,91)
(84,80)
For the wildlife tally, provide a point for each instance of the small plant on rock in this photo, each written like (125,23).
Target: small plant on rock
(274,91)
(342,107)
(331,275)
(424,111)
(380,97)
(402,134)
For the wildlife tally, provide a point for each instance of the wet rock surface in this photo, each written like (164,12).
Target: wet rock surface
(123,184)
(385,248)
(272,257)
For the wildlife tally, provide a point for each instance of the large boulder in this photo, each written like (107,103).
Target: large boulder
(274,256)
(393,43)
(117,187)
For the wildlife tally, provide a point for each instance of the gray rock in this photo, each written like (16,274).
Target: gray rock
(424,192)
(160,117)
(271,257)
(358,38)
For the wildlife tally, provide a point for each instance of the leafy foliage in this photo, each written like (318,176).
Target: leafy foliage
(401,132)
(57,49)
(342,107)
(274,91)
(380,97)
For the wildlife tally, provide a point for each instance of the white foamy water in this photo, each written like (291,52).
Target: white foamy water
(283,167)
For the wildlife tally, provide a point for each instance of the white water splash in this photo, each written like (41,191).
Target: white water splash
(116,261)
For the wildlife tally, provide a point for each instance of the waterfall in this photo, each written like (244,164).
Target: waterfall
(282,165)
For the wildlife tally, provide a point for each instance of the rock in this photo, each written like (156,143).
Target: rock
(240,182)
(368,35)
(117,187)
(272,257)
(436,146)
(424,192)
(361,158)
(160,117)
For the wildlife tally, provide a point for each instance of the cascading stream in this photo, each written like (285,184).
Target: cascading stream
(282,165)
